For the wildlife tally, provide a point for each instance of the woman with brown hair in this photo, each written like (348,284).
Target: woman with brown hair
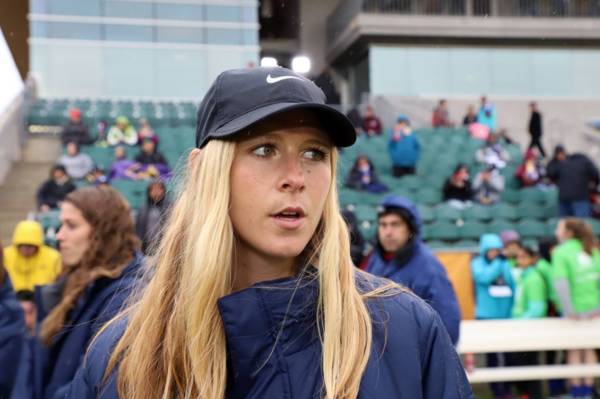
(254,294)
(99,249)
(12,330)
(576,276)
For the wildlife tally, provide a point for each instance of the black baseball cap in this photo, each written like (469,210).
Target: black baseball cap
(239,98)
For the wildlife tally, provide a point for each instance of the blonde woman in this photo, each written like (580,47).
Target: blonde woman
(254,294)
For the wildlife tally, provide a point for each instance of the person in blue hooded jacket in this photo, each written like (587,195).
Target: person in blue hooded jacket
(253,293)
(401,256)
(12,332)
(404,148)
(494,291)
(101,261)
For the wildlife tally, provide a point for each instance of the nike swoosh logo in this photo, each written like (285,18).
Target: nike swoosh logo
(271,79)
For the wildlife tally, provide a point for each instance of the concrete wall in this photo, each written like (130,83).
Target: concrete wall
(313,30)
(462,70)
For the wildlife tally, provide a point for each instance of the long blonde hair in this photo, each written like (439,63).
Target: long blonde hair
(174,344)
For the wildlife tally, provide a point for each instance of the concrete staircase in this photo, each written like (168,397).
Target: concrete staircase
(17,194)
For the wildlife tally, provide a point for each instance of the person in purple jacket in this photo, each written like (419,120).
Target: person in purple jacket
(253,293)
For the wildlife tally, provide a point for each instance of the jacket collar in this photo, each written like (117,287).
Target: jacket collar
(268,320)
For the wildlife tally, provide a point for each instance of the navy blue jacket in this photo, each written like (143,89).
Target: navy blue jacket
(415,267)
(12,336)
(54,367)
(411,355)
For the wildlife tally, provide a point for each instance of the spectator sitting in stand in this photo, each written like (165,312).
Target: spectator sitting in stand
(149,154)
(151,216)
(531,172)
(575,175)
(97,176)
(75,130)
(363,177)
(404,148)
(487,114)
(470,117)
(492,154)
(504,138)
(440,116)
(28,261)
(55,189)
(122,133)
(457,189)
(120,166)
(530,302)
(77,165)
(145,131)
(371,124)
(488,185)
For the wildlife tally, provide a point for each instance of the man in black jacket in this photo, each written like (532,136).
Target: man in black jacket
(75,130)
(535,128)
(574,175)
(55,189)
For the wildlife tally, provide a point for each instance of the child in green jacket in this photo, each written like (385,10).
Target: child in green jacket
(530,302)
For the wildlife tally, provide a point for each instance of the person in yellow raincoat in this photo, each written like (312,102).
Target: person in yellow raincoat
(28,261)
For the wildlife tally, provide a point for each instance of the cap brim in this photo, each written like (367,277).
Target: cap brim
(336,124)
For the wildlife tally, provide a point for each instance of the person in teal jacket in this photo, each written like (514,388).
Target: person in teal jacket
(576,277)
(494,285)
(531,302)
(494,288)
(404,148)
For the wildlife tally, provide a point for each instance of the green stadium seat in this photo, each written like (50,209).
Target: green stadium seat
(532,196)
(477,212)
(444,231)
(348,196)
(530,211)
(412,183)
(504,211)
(49,219)
(367,229)
(426,213)
(500,225)
(595,224)
(473,230)
(447,212)
(437,244)
(471,245)
(532,229)
(551,225)
(365,212)
(510,196)
(429,196)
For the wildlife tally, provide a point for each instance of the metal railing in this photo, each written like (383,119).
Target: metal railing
(348,10)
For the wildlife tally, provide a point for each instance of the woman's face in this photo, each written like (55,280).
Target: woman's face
(74,234)
(562,233)
(280,179)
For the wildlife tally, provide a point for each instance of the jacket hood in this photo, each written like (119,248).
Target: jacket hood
(395,201)
(28,232)
(489,241)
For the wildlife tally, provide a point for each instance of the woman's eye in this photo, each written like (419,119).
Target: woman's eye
(264,150)
(315,154)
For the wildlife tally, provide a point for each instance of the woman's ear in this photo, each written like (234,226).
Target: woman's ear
(194,156)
